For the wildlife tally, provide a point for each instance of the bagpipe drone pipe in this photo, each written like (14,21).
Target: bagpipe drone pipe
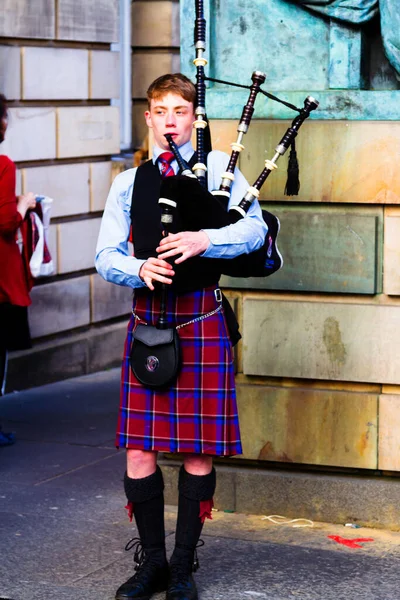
(194,206)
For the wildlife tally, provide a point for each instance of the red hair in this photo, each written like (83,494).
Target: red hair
(172,83)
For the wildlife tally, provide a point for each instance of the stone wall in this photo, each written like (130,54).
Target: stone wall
(60,74)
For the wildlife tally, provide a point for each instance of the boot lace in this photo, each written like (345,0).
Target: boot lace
(136,545)
(196,564)
(145,565)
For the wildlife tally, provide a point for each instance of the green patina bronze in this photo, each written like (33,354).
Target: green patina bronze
(332,50)
(362,11)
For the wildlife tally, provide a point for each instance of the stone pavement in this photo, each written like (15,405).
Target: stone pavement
(63,526)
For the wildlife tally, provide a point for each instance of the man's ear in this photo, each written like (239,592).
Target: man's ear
(147,117)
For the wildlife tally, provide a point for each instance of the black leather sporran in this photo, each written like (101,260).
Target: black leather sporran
(155,356)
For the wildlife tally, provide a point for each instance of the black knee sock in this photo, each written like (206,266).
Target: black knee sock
(193,490)
(147,497)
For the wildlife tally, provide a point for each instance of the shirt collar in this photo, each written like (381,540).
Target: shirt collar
(186,152)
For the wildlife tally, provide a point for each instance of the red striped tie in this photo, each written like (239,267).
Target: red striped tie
(165,159)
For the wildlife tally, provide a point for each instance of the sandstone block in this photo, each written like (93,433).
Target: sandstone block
(87,131)
(47,362)
(309,426)
(314,238)
(391,274)
(10,72)
(104,74)
(109,300)
(63,357)
(370,501)
(367,175)
(68,185)
(389,432)
(18,182)
(77,245)
(54,73)
(150,31)
(100,182)
(321,340)
(27,19)
(89,21)
(59,306)
(106,347)
(31,134)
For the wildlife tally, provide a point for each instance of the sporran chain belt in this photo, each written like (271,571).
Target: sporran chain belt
(218,297)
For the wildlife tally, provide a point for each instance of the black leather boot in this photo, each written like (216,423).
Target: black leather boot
(151,574)
(181,584)
(195,493)
(145,497)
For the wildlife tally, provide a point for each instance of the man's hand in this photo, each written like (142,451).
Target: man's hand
(186,243)
(155,269)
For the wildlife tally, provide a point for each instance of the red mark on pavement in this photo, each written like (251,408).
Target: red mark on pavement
(350,543)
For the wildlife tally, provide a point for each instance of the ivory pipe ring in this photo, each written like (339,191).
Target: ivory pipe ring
(237,147)
(254,191)
(200,62)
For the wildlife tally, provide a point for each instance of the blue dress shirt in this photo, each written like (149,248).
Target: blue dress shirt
(113,260)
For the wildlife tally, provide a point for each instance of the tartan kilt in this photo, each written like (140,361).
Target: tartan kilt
(198,414)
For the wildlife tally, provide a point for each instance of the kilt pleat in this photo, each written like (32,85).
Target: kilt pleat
(198,414)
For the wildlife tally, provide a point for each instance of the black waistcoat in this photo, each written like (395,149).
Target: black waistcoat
(194,273)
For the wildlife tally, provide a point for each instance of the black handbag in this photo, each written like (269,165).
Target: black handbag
(155,356)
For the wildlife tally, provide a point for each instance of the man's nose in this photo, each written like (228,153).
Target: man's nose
(171,120)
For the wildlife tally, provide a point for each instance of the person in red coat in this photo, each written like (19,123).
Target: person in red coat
(15,281)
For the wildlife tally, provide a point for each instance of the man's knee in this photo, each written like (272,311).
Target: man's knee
(140,463)
(198,464)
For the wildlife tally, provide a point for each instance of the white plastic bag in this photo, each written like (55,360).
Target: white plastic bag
(41,264)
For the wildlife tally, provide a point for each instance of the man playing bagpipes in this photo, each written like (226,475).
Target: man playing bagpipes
(195,413)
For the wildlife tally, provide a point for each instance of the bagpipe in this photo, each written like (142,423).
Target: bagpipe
(185,200)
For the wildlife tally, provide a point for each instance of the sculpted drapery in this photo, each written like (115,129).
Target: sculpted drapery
(361,11)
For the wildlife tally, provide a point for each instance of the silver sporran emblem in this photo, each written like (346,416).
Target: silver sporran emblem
(152,363)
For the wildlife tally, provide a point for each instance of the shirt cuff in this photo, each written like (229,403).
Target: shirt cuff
(133,275)
(219,239)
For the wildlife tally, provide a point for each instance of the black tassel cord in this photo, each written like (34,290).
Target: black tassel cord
(293,182)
